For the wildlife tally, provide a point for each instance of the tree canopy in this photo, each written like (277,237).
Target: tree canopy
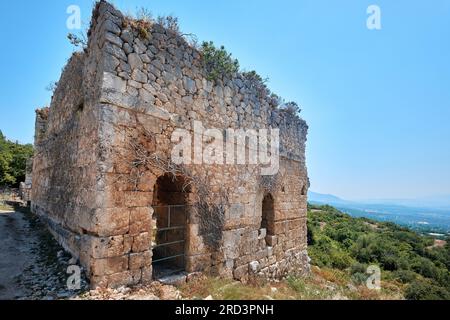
(13,159)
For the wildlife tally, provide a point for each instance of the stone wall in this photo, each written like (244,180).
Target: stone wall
(65,166)
(128,90)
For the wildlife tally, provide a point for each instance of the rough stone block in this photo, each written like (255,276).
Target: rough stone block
(198,263)
(240,272)
(108,247)
(140,260)
(254,266)
(142,242)
(147,274)
(109,266)
(112,221)
(114,83)
(140,220)
(137,199)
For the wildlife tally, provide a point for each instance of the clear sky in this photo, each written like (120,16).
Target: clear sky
(377,101)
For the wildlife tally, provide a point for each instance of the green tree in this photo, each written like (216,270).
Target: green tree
(13,158)
(422,290)
(217,61)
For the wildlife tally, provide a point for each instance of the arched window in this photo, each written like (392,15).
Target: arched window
(268,215)
(304,190)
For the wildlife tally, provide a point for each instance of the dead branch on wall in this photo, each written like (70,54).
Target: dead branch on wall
(208,206)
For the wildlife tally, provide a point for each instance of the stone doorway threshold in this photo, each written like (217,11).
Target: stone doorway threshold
(173,279)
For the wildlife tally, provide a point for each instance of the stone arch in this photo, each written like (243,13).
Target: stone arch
(170,219)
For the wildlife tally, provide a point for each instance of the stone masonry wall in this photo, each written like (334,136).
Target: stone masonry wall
(65,165)
(127,89)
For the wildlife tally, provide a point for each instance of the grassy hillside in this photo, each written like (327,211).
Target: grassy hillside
(416,264)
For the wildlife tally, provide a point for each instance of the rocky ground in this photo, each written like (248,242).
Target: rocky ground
(154,291)
(34,267)
(14,253)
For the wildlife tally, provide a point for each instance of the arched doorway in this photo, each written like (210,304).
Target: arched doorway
(169,239)
(268,215)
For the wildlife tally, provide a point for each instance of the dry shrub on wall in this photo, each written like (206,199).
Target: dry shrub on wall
(291,108)
(170,23)
(139,158)
(143,22)
(257,83)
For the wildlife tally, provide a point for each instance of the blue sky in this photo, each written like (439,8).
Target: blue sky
(377,102)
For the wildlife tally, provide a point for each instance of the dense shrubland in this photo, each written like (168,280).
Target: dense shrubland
(339,241)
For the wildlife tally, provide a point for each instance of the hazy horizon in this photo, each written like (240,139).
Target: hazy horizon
(430,197)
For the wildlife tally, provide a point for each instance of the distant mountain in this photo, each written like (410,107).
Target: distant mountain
(435,202)
(325,198)
(428,214)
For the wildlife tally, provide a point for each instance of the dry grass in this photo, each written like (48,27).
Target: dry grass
(332,275)
(4,207)
(3,202)
(142,25)
(322,284)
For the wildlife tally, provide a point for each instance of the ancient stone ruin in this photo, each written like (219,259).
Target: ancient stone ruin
(25,187)
(105,182)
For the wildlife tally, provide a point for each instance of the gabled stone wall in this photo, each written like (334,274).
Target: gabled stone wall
(129,91)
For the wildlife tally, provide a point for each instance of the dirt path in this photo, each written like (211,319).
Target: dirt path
(34,267)
(32,264)
(16,254)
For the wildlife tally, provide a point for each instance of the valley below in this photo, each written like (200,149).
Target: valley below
(427,218)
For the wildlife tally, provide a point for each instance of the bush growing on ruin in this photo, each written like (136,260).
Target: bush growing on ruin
(145,15)
(141,22)
(217,61)
(257,82)
(170,22)
(78,41)
(51,87)
(275,100)
(291,108)
(254,77)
